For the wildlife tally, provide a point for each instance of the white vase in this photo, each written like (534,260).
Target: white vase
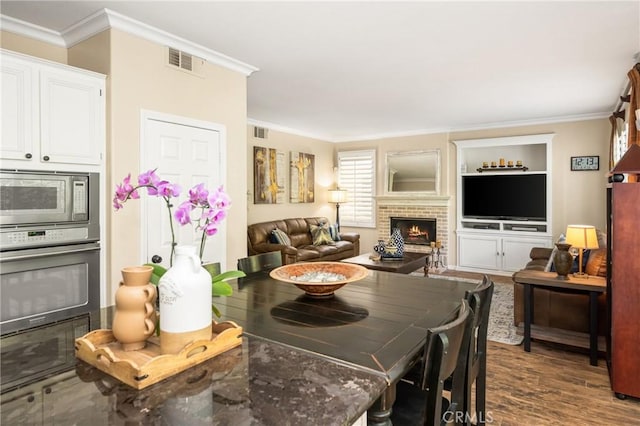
(185,302)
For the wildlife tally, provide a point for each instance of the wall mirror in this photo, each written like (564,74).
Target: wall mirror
(413,172)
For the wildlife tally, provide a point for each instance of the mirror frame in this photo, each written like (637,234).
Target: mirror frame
(426,154)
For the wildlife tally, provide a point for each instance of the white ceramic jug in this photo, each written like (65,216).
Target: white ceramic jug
(185,302)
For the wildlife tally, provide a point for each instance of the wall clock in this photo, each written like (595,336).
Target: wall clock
(585,162)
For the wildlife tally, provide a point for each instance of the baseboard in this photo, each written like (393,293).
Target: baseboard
(564,337)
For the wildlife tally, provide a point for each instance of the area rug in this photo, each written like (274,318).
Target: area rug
(501,328)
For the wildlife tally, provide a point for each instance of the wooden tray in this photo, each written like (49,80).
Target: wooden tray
(147,366)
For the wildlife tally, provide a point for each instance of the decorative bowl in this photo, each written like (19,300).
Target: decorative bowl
(308,276)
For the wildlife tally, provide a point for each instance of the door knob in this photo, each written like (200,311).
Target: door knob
(156,259)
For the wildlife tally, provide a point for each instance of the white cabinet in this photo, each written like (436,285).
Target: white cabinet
(492,252)
(51,114)
(506,210)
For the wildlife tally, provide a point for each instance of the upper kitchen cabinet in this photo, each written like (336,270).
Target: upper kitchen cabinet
(53,115)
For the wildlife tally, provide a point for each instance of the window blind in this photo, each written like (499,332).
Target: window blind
(356,174)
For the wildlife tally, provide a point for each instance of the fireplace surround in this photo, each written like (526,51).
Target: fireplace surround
(417,231)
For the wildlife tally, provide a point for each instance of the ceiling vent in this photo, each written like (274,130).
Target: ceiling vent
(184,61)
(260,133)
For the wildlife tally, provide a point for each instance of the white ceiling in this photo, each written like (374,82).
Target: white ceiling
(355,70)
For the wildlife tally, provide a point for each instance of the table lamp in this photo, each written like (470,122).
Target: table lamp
(581,237)
(337,196)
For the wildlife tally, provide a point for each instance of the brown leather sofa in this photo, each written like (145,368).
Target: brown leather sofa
(301,248)
(561,309)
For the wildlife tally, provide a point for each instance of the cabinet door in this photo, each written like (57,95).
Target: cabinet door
(515,252)
(479,251)
(23,406)
(58,397)
(18,110)
(71,117)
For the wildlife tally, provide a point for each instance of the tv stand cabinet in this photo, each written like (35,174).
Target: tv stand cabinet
(496,245)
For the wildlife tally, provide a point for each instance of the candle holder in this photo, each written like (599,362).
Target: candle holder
(434,257)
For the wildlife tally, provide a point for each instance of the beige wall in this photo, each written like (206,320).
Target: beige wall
(578,197)
(32,47)
(141,81)
(324,178)
(138,79)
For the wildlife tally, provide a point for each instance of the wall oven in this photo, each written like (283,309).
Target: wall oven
(45,285)
(49,247)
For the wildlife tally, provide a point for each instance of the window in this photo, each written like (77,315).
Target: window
(357,174)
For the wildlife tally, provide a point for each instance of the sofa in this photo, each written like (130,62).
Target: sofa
(561,309)
(301,248)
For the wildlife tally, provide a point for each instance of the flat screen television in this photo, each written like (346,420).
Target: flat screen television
(505,197)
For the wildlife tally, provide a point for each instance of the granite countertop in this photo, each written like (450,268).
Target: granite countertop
(257,383)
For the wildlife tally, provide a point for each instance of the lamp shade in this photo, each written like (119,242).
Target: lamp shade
(337,195)
(582,236)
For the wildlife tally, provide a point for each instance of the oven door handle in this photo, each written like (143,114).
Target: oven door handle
(48,252)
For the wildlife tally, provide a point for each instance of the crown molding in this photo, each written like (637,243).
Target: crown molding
(487,126)
(107,19)
(16,26)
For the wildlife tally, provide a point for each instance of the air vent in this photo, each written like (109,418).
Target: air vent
(260,133)
(184,61)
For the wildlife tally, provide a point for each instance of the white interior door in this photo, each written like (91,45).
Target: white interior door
(185,152)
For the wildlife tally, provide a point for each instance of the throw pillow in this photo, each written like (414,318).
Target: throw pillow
(561,239)
(333,230)
(280,237)
(320,235)
(597,263)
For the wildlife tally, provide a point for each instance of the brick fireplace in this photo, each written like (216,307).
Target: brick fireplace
(432,208)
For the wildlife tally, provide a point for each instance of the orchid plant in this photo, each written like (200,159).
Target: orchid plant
(203,209)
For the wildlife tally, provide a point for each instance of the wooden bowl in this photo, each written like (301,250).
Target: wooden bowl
(292,274)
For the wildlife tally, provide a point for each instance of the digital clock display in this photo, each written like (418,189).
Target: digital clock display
(588,162)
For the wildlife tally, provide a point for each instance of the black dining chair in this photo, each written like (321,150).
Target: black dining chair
(261,262)
(445,354)
(480,302)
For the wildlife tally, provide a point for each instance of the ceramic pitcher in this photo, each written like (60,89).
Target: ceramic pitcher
(185,302)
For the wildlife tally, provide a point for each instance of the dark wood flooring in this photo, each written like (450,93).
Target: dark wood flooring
(550,386)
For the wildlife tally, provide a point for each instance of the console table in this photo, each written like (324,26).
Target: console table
(410,262)
(589,285)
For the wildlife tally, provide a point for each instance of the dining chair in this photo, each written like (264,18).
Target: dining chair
(261,262)
(480,302)
(444,354)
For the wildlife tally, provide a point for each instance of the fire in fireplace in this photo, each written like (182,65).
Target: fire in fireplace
(415,230)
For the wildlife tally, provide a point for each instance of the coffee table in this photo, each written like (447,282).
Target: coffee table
(409,262)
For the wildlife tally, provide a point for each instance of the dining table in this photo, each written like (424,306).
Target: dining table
(377,324)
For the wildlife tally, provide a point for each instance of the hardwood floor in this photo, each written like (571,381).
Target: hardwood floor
(550,386)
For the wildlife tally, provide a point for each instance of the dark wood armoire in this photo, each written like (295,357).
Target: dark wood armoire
(623,287)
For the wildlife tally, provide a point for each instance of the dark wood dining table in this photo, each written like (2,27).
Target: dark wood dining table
(378,323)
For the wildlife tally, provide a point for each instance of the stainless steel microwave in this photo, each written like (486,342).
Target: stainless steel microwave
(48,208)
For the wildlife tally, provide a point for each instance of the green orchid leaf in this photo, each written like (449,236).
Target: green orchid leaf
(225,276)
(158,272)
(216,311)
(221,288)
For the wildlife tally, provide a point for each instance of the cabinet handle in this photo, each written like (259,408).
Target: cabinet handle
(31,398)
(28,155)
(47,391)
(45,158)
(502,253)
(497,253)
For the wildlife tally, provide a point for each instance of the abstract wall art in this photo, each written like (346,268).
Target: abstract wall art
(302,178)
